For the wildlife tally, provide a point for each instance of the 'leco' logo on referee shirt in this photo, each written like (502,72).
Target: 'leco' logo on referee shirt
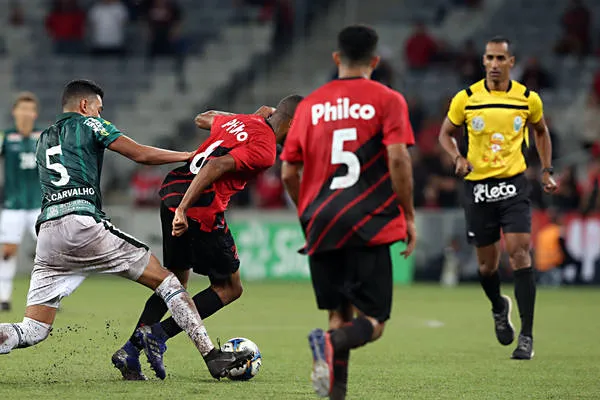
(341,110)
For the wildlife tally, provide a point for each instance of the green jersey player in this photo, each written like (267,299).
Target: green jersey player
(76,239)
(22,197)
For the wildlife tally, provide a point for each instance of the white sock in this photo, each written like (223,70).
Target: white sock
(184,312)
(9,339)
(8,269)
(23,334)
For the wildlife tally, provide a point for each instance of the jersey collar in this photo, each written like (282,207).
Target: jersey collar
(270,126)
(488,89)
(66,115)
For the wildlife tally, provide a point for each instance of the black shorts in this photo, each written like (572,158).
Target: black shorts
(208,253)
(361,276)
(492,205)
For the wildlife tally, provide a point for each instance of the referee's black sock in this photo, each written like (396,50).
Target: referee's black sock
(207,302)
(491,287)
(340,375)
(357,333)
(525,295)
(154,310)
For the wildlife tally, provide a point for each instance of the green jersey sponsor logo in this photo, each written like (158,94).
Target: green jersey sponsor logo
(97,126)
(76,206)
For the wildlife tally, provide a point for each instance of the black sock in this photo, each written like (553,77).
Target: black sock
(357,333)
(491,287)
(207,302)
(154,310)
(525,295)
(340,375)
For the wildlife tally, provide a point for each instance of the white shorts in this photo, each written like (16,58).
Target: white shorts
(14,223)
(74,246)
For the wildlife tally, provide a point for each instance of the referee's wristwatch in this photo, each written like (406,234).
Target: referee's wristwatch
(549,170)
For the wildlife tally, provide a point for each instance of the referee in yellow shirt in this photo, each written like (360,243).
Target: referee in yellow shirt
(495,113)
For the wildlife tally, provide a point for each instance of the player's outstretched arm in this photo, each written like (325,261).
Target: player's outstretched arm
(143,154)
(448,143)
(208,174)
(290,175)
(205,120)
(400,166)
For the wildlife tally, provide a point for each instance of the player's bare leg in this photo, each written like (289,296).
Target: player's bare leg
(378,327)
(8,269)
(326,345)
(517,246)
(489,259)
(228,290)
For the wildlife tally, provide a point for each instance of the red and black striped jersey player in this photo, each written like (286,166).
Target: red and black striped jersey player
(347,168)
(195,234)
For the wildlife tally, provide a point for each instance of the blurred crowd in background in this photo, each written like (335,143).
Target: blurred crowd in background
(100,28)
(428,66)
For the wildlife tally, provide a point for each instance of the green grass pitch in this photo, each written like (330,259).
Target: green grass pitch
(439,344)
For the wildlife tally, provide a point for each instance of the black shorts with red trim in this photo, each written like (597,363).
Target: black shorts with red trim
(361,276)
(212,254)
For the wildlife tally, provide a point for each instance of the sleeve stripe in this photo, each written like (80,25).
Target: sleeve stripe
(469,91)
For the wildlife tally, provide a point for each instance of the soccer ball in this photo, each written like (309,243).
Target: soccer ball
(250,370)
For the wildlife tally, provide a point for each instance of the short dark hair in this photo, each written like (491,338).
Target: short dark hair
(357,44)
(80,88)
(287,106)
(500,40)
(26,97)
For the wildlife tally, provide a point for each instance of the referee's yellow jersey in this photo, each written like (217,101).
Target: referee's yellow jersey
(496,125)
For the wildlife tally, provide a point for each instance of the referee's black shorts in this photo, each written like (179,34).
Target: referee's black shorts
(495,205)
(361,276)
(212,254)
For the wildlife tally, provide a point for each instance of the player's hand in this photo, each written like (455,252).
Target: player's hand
(199,121)
(265,111)
(463,167)
(549,183)
(411,239)
(180,223)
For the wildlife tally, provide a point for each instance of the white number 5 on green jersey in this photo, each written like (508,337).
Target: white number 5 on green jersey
(57,167)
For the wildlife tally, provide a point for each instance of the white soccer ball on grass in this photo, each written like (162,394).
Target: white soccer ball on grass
(252,367)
